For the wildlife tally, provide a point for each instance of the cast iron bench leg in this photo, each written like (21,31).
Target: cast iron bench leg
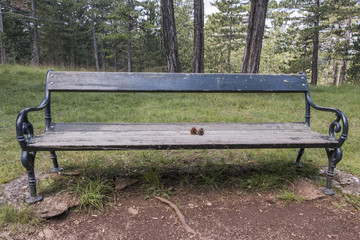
(300,154)
(334,157)
(28,161)
(56,167)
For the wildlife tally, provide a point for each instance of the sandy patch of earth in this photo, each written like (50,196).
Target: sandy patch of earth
(222,214)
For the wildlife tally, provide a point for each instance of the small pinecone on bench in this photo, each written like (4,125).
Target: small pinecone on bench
(193,131)
(201,131)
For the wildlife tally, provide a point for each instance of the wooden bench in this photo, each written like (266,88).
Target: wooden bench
(123,136)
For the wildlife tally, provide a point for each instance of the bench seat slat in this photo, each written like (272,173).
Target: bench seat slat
(97,136)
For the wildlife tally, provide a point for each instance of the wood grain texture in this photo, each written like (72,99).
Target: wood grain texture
(174,82)
(88,136)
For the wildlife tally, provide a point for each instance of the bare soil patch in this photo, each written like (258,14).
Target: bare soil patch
(220,214)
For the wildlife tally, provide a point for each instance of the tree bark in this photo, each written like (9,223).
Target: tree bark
(72,52)
(129,54)
(103,57)
(35,59)
(116,64)
(255,34)
(229,47)
(129,29)
(169,34)
(338,76)
(198,58)
(2,45)
(314,68)
(95,46)
(72,46)
(346,50)
(334,73)
(328,62)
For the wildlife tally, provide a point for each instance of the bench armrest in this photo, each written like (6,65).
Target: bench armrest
(335,126)
(23,125)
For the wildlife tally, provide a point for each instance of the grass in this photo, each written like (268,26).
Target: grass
(289,196)
(353,200)
(13,218)
(254,170)
(93,193)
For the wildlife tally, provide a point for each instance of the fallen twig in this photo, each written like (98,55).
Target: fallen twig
(180,216)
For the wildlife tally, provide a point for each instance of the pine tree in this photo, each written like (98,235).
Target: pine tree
(2,45)
(224,34)
(183,11)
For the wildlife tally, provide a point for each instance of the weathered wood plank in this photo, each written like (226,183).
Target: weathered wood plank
(113,127)
(177,136)
(175,82)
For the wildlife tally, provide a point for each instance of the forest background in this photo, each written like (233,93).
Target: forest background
(127,35)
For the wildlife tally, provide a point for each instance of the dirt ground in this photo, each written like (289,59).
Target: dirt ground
(220,214)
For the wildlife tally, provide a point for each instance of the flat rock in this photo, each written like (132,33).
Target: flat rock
(121,183)
(53,206)
(346,182)
(306,189)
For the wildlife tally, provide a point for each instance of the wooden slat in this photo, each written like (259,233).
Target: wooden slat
(123,127)
(177,136)
(174,82)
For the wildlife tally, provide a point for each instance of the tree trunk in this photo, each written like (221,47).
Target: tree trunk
(198,58)
(169,34)
(314,68)
(129,29)
(328,62)
(346,50)
(229,47)
(72,52)
(334,73)
(35,59)
(116,64)
(129,55)
(255,33)
(95,47)
(103,57)
(2,45)
(338,76)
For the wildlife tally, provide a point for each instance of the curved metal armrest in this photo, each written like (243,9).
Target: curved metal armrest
(23,126)
(335,126)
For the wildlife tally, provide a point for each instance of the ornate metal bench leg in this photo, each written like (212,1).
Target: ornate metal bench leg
(300,154)
(56,168)
(334,157)
(28,161)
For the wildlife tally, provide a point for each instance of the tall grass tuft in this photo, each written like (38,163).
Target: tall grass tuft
(93,193)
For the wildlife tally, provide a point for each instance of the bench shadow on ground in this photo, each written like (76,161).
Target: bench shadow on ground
(171,179)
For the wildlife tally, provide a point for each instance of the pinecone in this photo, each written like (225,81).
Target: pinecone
(193,131)
(201,131)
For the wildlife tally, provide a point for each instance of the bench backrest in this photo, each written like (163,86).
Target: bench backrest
(174,82)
